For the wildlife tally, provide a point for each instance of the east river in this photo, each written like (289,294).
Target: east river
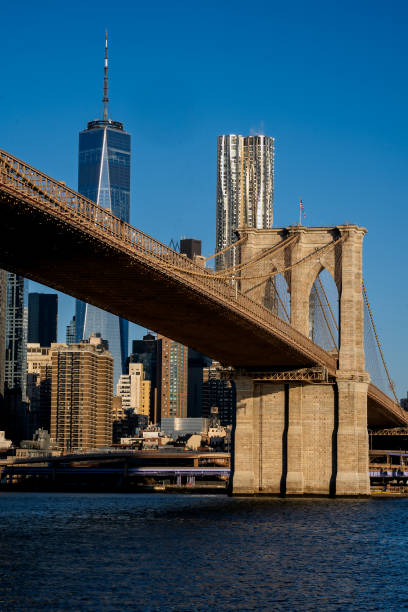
(194,552)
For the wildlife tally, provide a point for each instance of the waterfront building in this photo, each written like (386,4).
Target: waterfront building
(70,334)
(16,334)
(134,390)
(218,393)
(42,318)
(245,189)
(172,373)
(3,302)
(104,177)
(82,395)
(177,427)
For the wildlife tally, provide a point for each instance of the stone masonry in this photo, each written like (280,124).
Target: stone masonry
(297,438)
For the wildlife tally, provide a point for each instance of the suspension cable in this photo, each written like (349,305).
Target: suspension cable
(327,302)
(270,274)
(390,382)
(227,248)
(325,318)
(282,304)
(272,251)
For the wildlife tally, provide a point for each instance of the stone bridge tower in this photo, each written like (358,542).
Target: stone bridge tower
(298,437)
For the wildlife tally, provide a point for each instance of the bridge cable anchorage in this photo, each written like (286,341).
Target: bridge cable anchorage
(390,382)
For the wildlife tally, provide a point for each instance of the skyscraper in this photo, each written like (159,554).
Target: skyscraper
(3,294)
(42,318)
(172,372)
(16,334)
(70,334)
(104,177)
(244,189)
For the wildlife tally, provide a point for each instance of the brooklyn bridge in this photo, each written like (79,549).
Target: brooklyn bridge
(303,408)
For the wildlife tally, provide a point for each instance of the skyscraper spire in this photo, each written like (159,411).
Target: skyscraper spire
(105,98)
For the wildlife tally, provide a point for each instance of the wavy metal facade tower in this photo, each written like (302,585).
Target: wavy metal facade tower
(104,177)
(245,189)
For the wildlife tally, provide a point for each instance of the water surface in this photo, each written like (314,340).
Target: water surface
(97,552)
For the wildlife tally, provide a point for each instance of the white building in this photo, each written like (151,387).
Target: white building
(134,390)
(245,188)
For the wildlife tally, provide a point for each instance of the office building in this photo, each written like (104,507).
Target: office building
(218,393)
(172,372)
(134,390)
(70,334)
(42,318)
(104,177)
(82,395)
(245,189)
(196,364)
(190,247)
(145,352)
(16,334)
(39,375)
(3,302)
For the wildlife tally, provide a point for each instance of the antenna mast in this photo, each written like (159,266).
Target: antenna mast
(105,98)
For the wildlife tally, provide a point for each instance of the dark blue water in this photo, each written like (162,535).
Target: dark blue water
(162,552)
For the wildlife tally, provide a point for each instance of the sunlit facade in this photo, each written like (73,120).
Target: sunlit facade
(104,177)
(245,188)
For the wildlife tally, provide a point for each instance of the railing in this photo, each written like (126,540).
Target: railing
(385,400)
(21,179)
(53,196)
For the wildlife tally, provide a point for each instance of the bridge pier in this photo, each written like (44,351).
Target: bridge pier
(296,438)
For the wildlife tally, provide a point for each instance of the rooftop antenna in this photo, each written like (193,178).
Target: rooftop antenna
(105,98)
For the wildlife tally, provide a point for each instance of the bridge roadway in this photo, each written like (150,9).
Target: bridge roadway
(52,235)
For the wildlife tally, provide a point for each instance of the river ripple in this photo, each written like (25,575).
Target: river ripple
(194,552)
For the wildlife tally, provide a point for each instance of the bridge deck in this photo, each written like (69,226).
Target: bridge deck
(54,236)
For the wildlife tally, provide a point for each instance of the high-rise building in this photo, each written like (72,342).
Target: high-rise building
(196,364)
(39,374)
(82,395)
(190,247)
(245,189)
(71,331)
(145,352)
(134,390)
(3,302)
(104,177)
(42,318)
(16,334)
(218,393)
(172,372)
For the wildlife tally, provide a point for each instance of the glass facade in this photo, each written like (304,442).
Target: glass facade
(104,178)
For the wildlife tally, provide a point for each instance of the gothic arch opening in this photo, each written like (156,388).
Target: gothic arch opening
(324,312)
(277,296)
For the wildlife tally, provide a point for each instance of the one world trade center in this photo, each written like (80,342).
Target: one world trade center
(104,178)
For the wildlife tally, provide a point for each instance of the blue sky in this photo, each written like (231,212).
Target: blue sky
(327,79)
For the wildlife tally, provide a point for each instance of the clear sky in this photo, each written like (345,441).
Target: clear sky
(327,79)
